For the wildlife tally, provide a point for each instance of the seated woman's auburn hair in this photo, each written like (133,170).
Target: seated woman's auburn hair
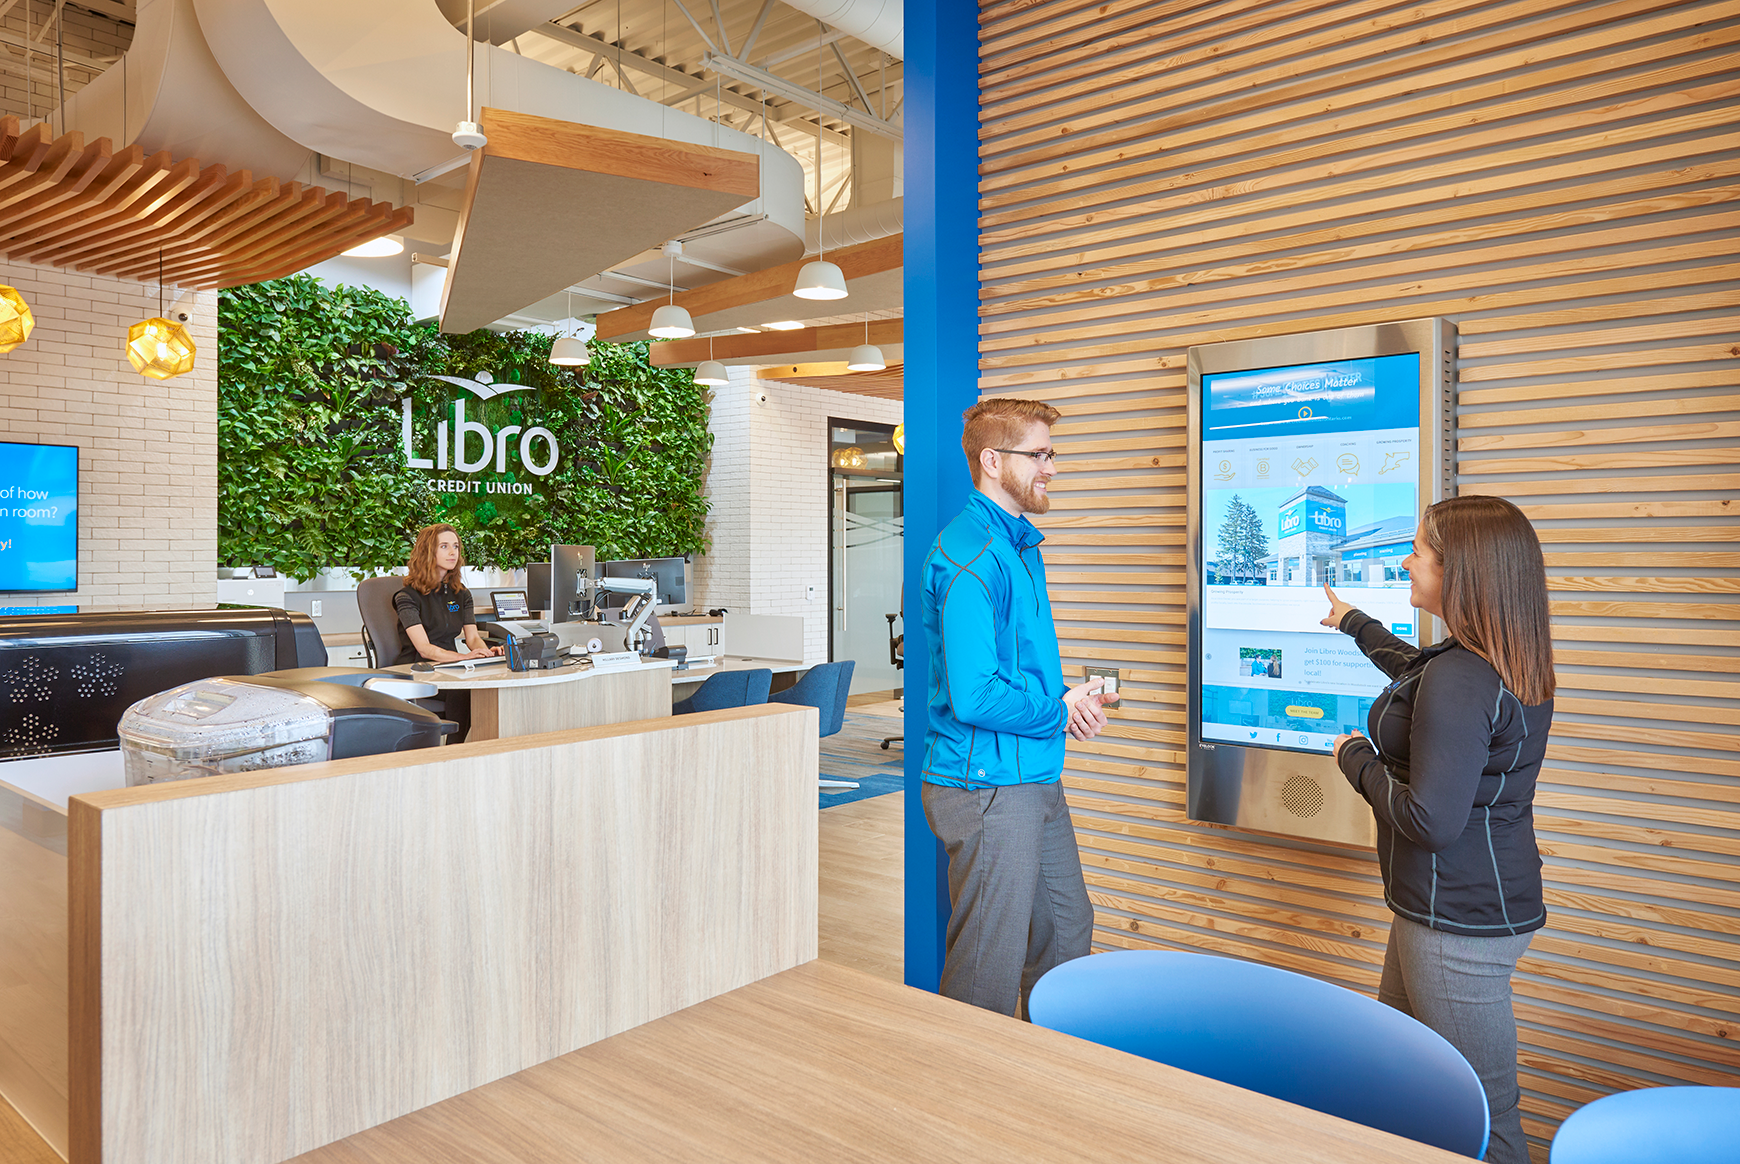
(1494,593)
(421,573)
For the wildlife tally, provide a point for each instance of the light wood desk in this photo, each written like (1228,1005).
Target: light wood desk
(823,1062)
(508,703)
(683,683)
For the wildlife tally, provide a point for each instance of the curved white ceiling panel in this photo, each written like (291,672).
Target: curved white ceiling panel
(381,84)
(170,94)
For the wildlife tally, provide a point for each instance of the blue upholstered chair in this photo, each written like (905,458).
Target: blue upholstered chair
(823,687)
(1270,1030)
(1655,1125)
(728,689)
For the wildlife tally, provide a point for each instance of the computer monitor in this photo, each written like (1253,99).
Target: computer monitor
(538,585)
(671,574)
(569,601)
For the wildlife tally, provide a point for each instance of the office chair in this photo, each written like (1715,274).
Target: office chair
(728,689)
(1265,1029)
(823,687)
(897,656)
(1654,1125)
(380,622)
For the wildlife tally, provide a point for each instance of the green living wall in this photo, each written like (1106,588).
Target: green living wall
(312,464)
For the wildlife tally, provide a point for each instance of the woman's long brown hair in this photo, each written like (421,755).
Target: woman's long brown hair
(1495,589)
(422,574)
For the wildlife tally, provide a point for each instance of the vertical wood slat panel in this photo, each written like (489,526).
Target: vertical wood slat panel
(1573,219)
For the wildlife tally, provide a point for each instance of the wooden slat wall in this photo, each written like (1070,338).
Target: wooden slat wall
(1563,181)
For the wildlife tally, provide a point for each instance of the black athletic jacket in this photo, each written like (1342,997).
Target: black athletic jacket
(1451,781)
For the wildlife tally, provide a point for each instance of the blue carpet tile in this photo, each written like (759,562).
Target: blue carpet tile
(854,753)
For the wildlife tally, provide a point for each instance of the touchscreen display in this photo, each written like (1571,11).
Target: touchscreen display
(1310,474)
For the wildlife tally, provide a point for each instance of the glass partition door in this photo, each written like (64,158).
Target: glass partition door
(865,537)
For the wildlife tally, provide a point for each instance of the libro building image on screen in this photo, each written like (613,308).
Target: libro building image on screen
(39,518)
(1311,458)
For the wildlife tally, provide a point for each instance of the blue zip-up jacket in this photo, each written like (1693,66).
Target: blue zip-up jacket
(996,707)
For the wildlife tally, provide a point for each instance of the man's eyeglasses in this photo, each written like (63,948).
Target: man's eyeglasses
(1043,456)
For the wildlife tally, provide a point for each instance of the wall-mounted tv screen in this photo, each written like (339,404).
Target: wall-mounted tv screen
(1310,457)
(39,518)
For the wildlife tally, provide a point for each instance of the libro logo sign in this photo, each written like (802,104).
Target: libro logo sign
(470,446)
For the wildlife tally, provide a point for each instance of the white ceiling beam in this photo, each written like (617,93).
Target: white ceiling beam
(581,40)
(696,25)
(779,58)
(852,77)
(755,30)
(771,83)
(719,23)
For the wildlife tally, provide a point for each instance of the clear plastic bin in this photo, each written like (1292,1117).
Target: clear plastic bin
(215,726)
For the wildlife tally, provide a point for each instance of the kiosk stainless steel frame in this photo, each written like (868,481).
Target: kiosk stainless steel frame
(1295,423)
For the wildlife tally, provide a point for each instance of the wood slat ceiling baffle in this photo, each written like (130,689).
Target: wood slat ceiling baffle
(813,345)
(874,274)
(548,203)
(1154,177)
(888,384)
(84,206)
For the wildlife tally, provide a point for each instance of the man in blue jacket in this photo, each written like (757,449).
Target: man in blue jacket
(999,711)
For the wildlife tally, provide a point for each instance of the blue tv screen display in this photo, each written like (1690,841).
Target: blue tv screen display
(39,518)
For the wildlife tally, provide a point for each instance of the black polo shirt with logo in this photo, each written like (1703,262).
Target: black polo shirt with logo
(442,613)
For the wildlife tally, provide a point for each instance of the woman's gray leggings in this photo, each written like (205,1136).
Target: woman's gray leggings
(1460,987)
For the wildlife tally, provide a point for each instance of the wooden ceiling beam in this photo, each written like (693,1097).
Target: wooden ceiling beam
(875,257)
(776,346)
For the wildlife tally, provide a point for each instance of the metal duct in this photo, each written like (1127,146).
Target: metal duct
(879,23)
(860,224)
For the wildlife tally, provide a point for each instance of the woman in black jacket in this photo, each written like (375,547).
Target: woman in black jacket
(1456,744)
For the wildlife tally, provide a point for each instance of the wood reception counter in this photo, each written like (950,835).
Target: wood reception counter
(262,964)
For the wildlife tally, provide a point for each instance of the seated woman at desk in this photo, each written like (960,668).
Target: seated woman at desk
(434,607)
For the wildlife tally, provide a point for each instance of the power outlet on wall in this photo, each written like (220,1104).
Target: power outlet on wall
(1110,675)
(315,607)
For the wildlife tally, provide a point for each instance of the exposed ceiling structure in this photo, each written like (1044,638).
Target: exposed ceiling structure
(361,98)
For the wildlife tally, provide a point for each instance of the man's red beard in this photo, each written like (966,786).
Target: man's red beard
(1028,497)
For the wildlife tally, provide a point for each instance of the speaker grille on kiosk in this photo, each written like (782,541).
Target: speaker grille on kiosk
(1301,795)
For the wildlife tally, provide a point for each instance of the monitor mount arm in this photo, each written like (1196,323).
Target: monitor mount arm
(646,596)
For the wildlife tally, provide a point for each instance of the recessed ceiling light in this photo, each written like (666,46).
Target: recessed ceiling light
(783,325)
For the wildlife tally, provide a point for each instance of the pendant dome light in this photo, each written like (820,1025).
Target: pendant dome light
(159,348)
(820,279)
(710,371)
(866,357)
(570,351)
(671,321)
(469,135)
(16,322)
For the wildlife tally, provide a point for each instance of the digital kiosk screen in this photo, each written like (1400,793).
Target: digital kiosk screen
(1310,474)
(39,518)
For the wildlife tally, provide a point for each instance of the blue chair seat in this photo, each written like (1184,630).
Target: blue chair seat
(1269,1030)
(823,687)
(728,689)
(1655,1125)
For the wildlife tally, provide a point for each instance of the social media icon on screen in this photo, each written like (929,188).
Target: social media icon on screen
(1304,739)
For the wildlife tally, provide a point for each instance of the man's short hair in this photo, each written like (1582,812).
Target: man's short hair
(998,424)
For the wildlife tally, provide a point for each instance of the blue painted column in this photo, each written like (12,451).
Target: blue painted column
(942,328)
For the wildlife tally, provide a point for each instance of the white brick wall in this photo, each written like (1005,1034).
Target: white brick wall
(147,448)
(768,484)
(86,36)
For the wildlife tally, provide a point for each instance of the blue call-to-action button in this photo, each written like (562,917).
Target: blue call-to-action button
(1401,628)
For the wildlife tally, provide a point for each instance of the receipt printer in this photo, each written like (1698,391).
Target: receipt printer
(538,651)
